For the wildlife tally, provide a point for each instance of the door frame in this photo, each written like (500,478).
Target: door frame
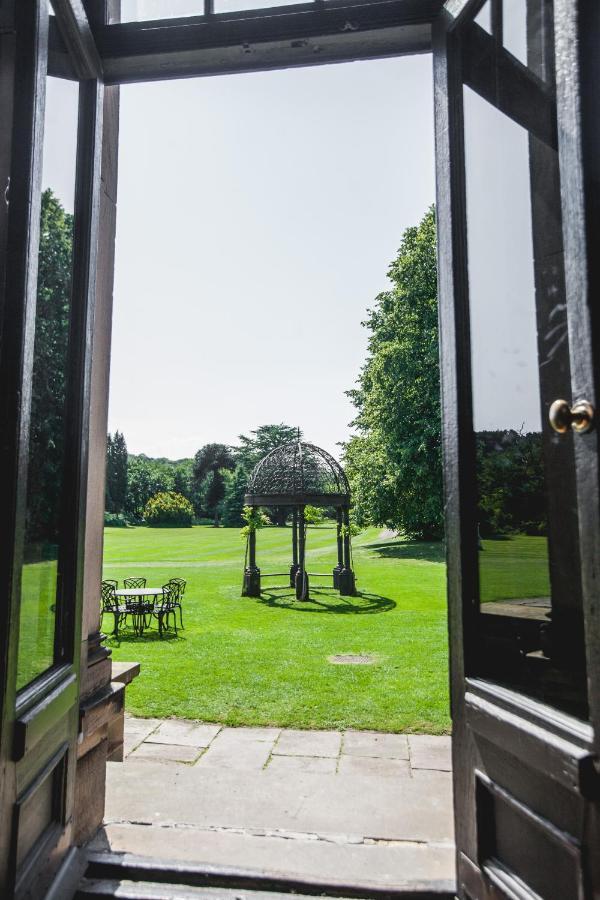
(40,724)
(169,56)
(565,748)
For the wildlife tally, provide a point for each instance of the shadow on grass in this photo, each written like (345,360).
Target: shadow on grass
(430,551)
(326,601)
(148,637)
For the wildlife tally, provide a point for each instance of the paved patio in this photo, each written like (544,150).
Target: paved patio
(375,809)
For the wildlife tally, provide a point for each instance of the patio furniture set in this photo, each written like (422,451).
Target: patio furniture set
(143,604)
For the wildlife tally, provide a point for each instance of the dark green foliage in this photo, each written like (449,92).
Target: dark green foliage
(252,449)
(263,439)
(168,509)
(47,437)
(511,483)
(394,463)
(115,520)
(116,473)
(233,502)
(182,481)
(208,479)
(146,477)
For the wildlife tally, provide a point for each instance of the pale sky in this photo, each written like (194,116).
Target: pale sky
(257,217)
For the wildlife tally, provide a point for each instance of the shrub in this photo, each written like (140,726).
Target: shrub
(254,519)
(115,520)
(168,509)
(313,515)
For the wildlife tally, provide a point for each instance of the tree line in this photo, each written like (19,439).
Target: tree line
(214,481)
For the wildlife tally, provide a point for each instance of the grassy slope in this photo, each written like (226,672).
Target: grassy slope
(248,661)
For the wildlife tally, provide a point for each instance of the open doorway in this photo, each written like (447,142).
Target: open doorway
(258,218)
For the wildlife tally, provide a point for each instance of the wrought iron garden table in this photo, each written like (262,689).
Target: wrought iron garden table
(140,603)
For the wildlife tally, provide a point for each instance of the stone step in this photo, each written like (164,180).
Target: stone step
(132,877)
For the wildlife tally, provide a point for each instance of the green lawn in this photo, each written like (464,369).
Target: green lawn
(264,661)
(246,661)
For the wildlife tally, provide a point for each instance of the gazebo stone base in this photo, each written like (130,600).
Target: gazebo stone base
(347,584)
(336,577)
(293,571)
(251,583)
(302,592)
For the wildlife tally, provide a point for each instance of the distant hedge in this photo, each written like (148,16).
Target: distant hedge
(115,520)
(169,509)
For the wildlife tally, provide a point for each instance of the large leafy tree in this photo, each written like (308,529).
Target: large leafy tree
(207,476)
(250,451)
(181,481)
(394,462)
(253,447)
(145,478)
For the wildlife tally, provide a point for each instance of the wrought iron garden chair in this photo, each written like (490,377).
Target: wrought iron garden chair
(110,604)
(179,584)
(134,582)
(140,608)
(166,606)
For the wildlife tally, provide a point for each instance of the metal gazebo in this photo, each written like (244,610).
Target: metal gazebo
(298,474)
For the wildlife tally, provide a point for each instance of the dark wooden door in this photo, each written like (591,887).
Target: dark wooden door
(49,176)
(515,209)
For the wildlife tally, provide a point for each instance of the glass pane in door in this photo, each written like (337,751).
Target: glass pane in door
(40,593)
(507,412)
(530,633)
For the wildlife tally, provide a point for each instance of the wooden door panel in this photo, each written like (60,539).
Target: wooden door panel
(525,738)
(33,725)
(41,577)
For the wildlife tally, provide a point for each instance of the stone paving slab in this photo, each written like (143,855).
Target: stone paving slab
(428,751)
(237,751)
(166,752)
(372,743)
(375,808)
(133,725)
(373,765)
(322,764)
(180,731)
(367,805)
(308,743)
(249,734)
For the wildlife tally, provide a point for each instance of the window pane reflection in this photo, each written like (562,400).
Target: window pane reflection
(142,10)
(40,575)
(506,384)
(531,632)
(224,6)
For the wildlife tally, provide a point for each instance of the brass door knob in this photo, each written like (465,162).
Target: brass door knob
(579,417)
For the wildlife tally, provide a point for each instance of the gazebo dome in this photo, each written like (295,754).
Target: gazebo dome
(296,474)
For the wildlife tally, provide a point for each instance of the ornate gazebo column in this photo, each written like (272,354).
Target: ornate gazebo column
(294,566)
(346,577)
(252,572)
(340,549)
(301,576)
